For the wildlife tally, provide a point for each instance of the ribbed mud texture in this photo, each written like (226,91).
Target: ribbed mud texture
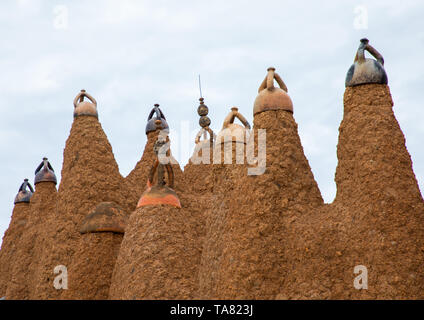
(257,233)
(33,242)
(377,219)
(90,175)
(10,244)
(159,256)
(137,179)
(90,275)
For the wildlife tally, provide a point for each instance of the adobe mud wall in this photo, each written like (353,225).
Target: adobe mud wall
(237,236)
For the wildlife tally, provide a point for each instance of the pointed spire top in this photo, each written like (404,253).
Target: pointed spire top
(24,195)
(45,172)
(364,70)
(85,108)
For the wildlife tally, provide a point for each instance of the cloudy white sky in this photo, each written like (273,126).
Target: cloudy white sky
(132,54)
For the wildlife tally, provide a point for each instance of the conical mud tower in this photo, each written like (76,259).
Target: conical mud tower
(141,170)
(197,197)
(159,254)
(34,237)
(276,189)
(90,175)
(374,230)
(12,236)
(228,155)
(102,232)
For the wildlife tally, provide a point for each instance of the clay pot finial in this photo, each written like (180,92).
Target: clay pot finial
(85,108)
(270,97)
(24,195)
(232,131)
(160,193)
(152,121)
(45,173)
(364,70)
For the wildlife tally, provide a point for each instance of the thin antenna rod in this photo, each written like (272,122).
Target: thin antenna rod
(200,87)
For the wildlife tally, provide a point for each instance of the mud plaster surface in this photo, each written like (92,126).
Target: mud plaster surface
(197,197)
(198,176)
(376,219)
(223,178)
(199,188)
(159,256)
(107,217)
(90,275)
(254,234)
(10,244)
(90,175)
(33,242)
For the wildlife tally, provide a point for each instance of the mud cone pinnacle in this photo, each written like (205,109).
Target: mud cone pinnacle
(198,196)
(256,232)
(377,219)
(160,253)
(378,198)
(12,236)
(33,241)
(90,175)
(198,170)
(227,170)
(373,160)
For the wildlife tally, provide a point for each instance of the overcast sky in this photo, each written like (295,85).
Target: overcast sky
(132,54)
